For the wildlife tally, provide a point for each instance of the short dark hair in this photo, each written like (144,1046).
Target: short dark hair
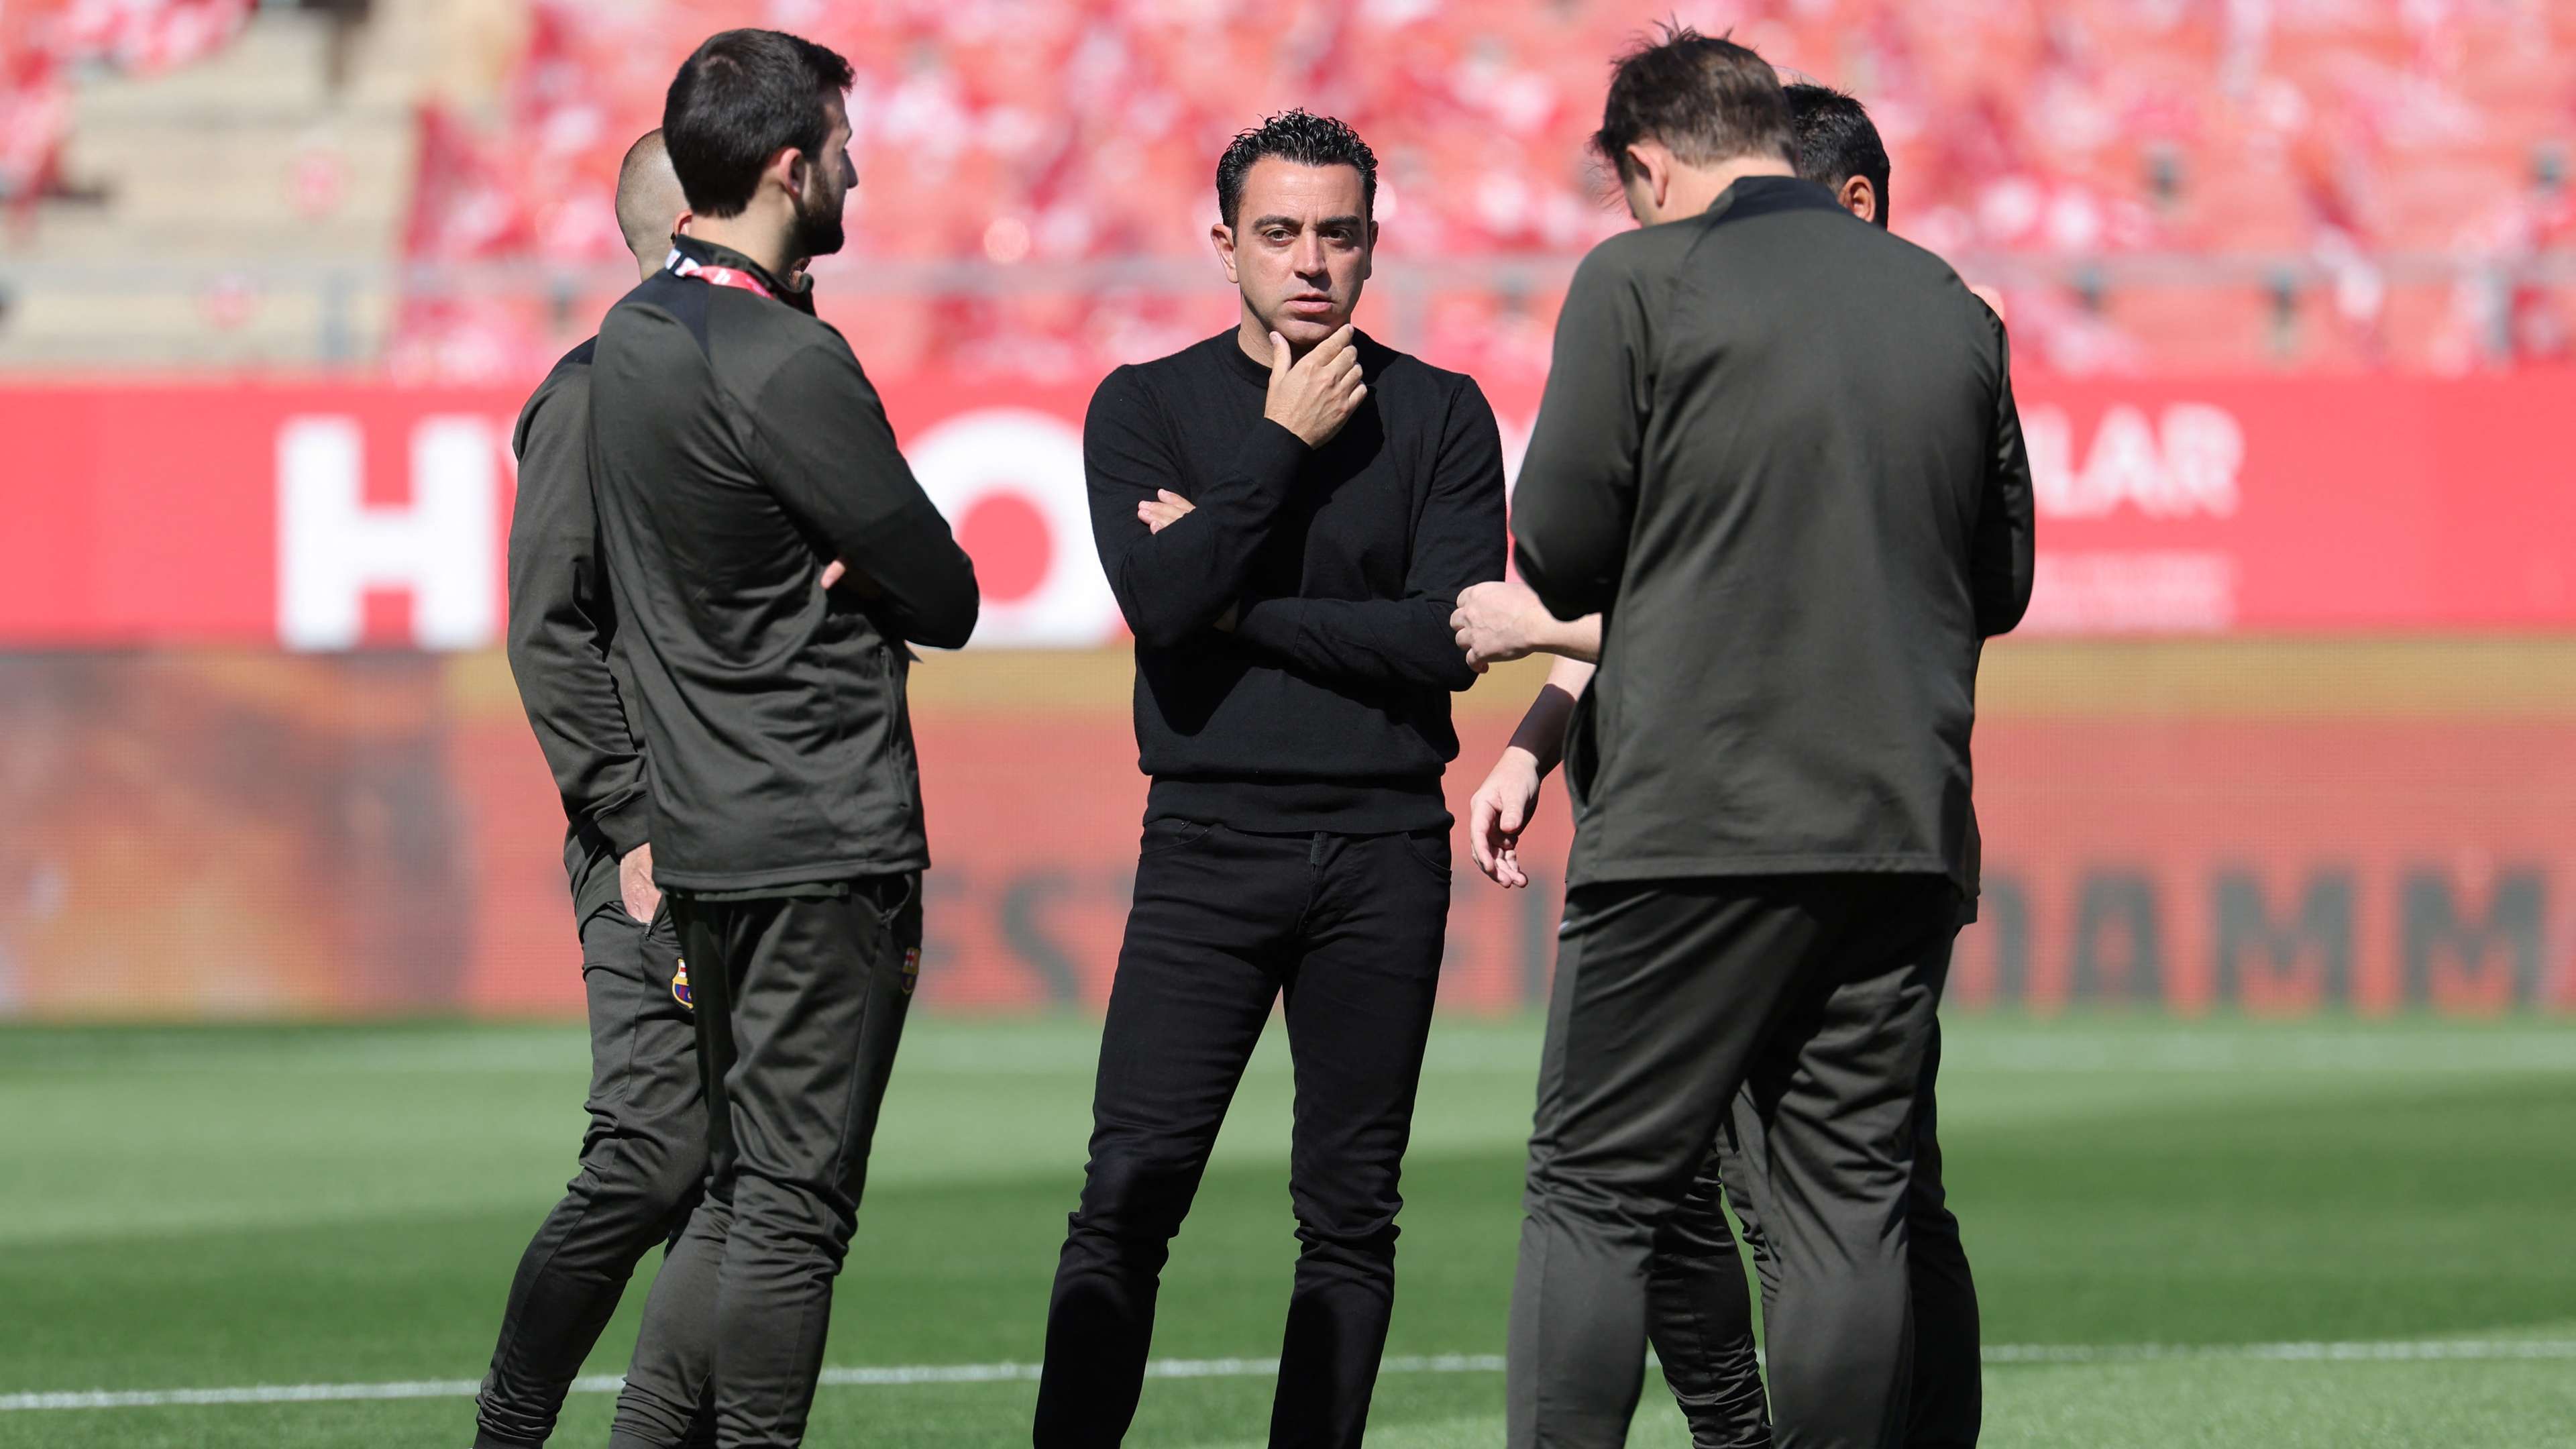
(1707,99)
(1302,137)
(1837,141)
(740,98)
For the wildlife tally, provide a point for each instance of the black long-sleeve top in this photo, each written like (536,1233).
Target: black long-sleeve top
(1326,705)
(563,634)
(1778,451)
(736,449)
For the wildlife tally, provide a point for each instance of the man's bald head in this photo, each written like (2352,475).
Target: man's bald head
(650,204)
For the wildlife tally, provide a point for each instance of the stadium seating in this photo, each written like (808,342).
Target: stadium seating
(2075,151)
(43,41)
(2153,185)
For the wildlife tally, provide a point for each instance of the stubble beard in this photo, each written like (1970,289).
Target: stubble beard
(820,230)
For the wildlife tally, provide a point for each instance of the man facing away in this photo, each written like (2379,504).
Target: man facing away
(644,1155)
(1700,1315)
(1778,454)
(737,449)
(1287,513)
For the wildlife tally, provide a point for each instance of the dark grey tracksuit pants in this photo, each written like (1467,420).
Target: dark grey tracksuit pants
(800,1004)
(1701,1317)
(643,1160)
(1817,993)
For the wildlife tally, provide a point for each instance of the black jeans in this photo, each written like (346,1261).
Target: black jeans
(1701,1317)
(643,1160)
(801,1004)
(1349,929)
(1816,993)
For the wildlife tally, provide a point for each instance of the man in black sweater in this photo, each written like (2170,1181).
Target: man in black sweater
(1779,456)
(644,1155)
(1701,1319)
(737,450)
(1287,513)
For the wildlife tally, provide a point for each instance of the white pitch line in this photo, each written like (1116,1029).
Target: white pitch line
(2433,1351)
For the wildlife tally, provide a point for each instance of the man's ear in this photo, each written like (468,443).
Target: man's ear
(787,168)
(1368,258)
(1655,164)
(1859,198)
(1222,236)
(680,223)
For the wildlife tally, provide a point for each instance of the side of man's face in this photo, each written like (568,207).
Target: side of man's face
(1301,247)
(829,179)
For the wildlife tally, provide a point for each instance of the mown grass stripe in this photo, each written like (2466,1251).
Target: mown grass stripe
(893,1376)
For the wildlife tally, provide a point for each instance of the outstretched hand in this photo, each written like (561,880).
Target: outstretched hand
(1498,621)
(1499,812)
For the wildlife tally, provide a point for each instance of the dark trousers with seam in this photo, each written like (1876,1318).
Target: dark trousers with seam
(1815,992)
(1349,929)
(800,1003)
(1701,1315)
(643,1162)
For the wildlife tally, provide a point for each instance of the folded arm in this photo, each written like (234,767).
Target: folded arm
(837,469)
(1175,581)
(1458,542)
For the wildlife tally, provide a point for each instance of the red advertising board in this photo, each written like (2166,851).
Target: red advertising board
(322,516)
(259,834)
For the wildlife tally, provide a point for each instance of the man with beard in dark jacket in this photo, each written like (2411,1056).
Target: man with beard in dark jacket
(738,449)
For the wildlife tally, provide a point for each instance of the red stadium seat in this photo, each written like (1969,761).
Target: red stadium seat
(1086,131)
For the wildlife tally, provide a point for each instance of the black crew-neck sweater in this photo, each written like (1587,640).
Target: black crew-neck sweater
(1326,705)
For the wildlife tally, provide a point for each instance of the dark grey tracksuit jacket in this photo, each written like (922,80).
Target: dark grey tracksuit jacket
(738,448)
(1779,454)
(1795,489)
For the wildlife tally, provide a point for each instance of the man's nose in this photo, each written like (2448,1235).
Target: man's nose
(1308,258)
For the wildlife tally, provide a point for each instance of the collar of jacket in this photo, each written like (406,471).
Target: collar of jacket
(1748,196)
(708,254)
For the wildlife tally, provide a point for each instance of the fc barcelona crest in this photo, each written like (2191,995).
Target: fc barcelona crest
(680,983)
(911,968)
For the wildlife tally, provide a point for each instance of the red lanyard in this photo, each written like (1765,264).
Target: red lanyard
(719,276)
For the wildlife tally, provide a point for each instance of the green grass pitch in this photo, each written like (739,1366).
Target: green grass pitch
(217,1207)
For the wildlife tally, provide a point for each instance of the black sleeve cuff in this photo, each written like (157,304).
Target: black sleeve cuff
(627,824)
(1267,623)
(1272,455)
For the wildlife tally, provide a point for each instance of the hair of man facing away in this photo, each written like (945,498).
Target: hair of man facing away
(648,196)
(1706,99)
(1837,141)
(1302,137)
(741,98)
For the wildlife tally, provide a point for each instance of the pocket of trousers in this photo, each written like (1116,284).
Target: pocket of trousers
(1168,833)
(1430,850)
(891,898)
